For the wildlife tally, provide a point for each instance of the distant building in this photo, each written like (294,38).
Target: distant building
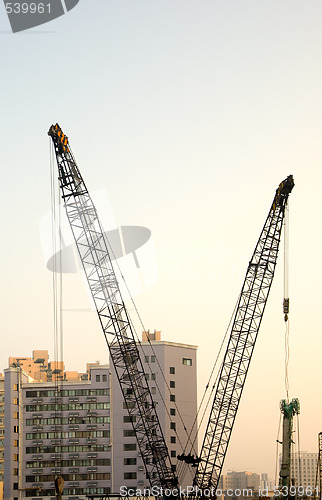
(267,483)
(42,370)
(156,335)
(36,366)
(303,468)
(83,432)
(264,482)
(240,484)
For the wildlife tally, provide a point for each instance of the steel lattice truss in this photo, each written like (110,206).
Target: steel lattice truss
(93,252)
(241,343)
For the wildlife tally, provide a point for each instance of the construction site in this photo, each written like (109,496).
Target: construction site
(77,444)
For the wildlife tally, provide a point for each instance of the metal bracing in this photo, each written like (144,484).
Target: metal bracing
(241,343)
(93,251)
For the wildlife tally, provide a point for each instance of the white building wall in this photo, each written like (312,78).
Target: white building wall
(157,357)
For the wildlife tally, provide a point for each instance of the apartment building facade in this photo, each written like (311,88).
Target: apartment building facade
(83,432)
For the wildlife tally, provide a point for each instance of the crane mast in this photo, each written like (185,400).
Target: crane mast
(118,332)
(247,320)
(288,410)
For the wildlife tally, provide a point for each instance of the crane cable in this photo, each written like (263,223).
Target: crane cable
(208,384)
(299,451)
(181,471)
(286,300)
(137,340)
(139,344)
(57,287)
(192,442)
(277,443)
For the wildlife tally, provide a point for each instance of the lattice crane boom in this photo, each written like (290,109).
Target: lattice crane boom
(246,324)
(93,251)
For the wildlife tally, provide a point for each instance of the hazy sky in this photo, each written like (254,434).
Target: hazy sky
(189,114)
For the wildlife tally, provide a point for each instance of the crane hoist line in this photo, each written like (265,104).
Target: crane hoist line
(93,251)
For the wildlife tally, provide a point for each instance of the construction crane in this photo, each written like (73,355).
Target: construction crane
(245,327)
(93,251)
(119,335)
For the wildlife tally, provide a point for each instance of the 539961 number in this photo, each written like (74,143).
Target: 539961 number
(25,8)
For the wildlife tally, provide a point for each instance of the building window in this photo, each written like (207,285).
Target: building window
(173,426)
(172,370)
(128,419)
(98,378)
(153,390)
(152,376)
(172,397)
(15,486)
(152,359)
(15,387)
(146,359)
(173,454)
(15,401)
(105,378)
(15,428)
(187,361)
(173,439)
(16,457)
(147,376)
(129,461)
(172,384)
(129,447)
(172,411)
(128,433)
(15,414)
(129,475)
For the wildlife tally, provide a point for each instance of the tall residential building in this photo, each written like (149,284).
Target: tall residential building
(171,373)
(83,432)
